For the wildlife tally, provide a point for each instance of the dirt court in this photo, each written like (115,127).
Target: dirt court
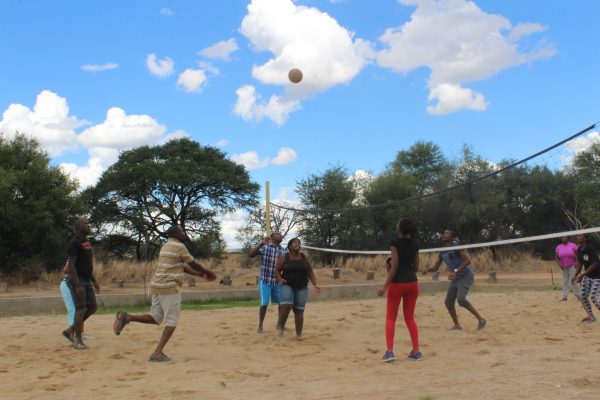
(532,348)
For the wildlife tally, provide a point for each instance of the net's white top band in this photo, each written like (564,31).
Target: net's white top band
(467,246)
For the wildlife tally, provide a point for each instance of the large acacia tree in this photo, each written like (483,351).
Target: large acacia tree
(181,182)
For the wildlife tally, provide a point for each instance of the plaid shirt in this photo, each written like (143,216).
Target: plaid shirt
(268,258)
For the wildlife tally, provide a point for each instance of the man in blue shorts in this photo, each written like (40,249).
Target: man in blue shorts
(269,249)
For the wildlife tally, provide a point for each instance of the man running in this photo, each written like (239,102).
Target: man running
(461,277)
(173,260)
(269,249)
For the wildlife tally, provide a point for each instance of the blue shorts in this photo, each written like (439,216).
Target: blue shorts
(69,303)
(268,292)
(296,297)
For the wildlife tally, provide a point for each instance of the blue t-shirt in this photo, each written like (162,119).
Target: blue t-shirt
(453,261)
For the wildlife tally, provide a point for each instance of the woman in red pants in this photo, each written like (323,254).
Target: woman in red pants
(401,285)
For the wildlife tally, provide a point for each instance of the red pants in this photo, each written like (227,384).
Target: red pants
(408,292)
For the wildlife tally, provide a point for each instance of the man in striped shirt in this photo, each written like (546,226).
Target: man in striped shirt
(174,261)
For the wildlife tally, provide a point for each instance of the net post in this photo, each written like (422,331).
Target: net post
(268,209)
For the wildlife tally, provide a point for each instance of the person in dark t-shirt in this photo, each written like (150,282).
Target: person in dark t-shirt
(401,285)
(81,280)
(588,274)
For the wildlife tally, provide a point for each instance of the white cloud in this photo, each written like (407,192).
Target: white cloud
(178,134)
(451,98)
(99,67)
(208,67)
(250,109)
(362,176)
(298,37)
(100,159)
(250,160)
(230,223)
(361,179)
(120,130)
(284,156)
(525,29)
(116,133)
(577,145)
(191,80)
(49,123)
(459,43)
(160,67)
(221,50)
(286,194)
(221,143)
(167,12)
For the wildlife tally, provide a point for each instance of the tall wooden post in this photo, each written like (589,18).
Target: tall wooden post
(268,208)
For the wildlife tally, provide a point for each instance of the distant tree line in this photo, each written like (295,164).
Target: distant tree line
(523,201)
(181,182)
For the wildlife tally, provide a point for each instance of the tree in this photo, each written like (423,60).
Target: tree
(474,204)
(151,188)
(424,161)
(586,173)
(255,226)
(378,224)
(331,190)
(38,204)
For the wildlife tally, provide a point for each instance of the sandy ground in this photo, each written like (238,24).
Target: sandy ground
(532,348)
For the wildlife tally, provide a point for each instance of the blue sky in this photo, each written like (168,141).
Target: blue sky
(89,79)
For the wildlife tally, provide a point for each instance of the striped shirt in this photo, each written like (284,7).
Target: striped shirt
(268,258)
(169,275)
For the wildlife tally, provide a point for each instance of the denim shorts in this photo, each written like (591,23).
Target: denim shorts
(296,297)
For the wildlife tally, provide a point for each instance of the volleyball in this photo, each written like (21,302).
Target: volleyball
(295,75)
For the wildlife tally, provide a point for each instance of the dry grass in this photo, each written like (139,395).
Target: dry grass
(236,265)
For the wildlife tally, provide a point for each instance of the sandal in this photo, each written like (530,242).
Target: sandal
(158,358)
(120,322)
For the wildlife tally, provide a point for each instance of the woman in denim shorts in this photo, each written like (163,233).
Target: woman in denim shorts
(293,271)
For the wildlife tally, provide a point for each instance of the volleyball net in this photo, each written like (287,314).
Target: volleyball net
(548,194)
